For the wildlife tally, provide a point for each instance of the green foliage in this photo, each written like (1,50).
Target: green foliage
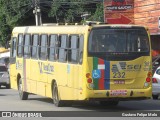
(12,13)
(18,12)
(71,10)
(99,14)
(67,10)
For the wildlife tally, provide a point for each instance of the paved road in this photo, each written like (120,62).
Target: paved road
(9,101)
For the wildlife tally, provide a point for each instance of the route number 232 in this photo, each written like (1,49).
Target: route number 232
(119,75)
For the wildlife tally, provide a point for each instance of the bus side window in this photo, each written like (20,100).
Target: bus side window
(73,49)
(52,47)
(63,48)
(20,45)
(27,41)
(13,50)
(43,47)
(81,42)
(34,50)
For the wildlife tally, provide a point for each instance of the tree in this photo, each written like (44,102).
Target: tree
(71,10)
(99,14)
(20,12)
(12,13)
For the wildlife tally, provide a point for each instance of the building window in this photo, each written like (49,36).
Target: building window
(20,45)
(43,47)
(27,41)
(34,53)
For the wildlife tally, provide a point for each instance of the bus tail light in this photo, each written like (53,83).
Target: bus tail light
(154,80)
(89,80)
(148,79)
(149,74)
(88,75)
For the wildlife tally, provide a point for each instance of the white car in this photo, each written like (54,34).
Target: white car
(4,76)
(156,84)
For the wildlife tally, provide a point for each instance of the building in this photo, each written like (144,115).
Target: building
(141,12)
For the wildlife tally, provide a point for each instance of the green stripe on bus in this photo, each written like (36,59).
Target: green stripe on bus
(95,67)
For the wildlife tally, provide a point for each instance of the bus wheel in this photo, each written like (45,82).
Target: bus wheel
(8,86)
(23,95)
(109,103)
(56,99)
(155,97)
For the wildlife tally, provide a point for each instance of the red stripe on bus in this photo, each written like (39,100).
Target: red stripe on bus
(101,80)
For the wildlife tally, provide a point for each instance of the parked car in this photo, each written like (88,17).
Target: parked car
(5,60)
(4,76)
(156,84)
(155,63)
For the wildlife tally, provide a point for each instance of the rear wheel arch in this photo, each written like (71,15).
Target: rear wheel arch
(18,77)
(55,95)
(52,83)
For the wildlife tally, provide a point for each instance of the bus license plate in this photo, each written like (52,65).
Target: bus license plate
(118,92)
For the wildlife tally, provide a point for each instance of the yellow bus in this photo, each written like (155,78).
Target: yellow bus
(105,63)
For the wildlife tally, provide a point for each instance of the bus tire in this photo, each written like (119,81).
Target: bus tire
(109,103)
(23,95)
(155,97)
(8,86)
(56,100)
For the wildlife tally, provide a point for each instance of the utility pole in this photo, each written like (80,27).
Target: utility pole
(37,12)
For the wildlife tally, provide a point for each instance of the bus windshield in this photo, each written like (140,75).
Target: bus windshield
(127,40)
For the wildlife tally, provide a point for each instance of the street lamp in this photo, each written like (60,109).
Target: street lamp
(85,15)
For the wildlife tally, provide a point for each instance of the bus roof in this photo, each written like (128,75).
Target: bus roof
(64,29)
(52,29)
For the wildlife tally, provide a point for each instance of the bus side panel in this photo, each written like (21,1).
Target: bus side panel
(74,72)
(61,72)
(20,72)
(13,76)
(34,75)
(62,80)
(26,72)
(43,76)
(51,77)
